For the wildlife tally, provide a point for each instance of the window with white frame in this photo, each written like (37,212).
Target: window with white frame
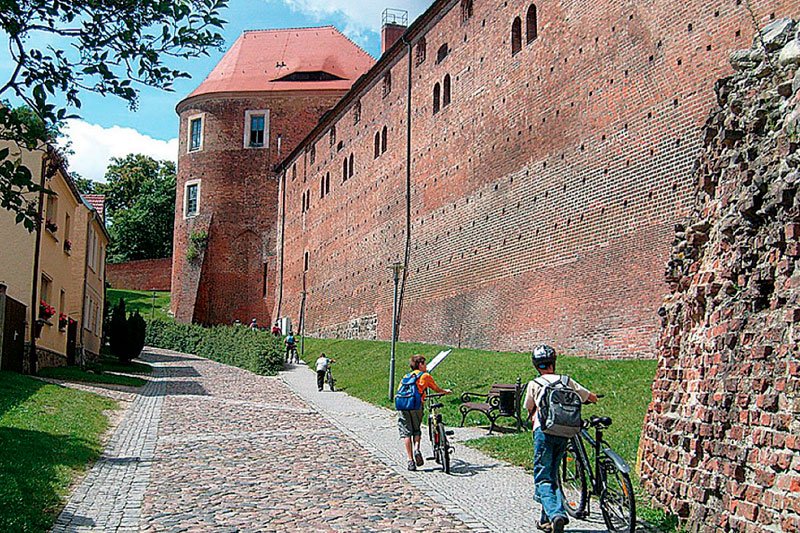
(195,133)
(256,128)
(191,199)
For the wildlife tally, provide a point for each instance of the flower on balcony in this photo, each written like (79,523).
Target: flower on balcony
(63,320)
(67,245)
(50,225)
(46,310)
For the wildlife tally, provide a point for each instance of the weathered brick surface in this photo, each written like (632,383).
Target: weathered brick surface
(720,439)
(543,196)
(238,204)
(144,275)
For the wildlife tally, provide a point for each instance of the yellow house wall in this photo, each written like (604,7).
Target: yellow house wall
(57,264)
(91,308)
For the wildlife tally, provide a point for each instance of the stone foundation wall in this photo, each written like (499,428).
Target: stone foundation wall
(365,328)
(721,441)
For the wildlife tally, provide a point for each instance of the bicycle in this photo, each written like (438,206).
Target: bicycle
(609,478)
(438,434)
(291,354)
(329,378)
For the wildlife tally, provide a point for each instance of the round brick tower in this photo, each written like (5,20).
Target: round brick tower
(259,102)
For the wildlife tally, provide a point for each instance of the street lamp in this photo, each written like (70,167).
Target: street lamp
(397,268)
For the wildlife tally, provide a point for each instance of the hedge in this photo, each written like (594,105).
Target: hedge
(253,350)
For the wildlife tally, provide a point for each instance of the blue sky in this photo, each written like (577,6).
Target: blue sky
(109,129)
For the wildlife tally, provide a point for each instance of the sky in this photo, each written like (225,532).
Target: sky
(108,128)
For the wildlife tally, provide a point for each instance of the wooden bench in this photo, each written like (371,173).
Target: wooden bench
(502,400)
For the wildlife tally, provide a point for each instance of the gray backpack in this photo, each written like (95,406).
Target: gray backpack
(559,408)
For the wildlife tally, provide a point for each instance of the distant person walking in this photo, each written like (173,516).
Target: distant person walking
(276,330)
(291,348)
(254,324)
(323,362)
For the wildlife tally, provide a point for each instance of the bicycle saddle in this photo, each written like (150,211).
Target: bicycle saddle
(603,421)
(437,406)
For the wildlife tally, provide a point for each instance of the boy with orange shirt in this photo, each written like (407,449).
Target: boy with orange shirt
(410,422)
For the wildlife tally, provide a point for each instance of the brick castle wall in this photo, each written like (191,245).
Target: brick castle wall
(144,275)
(543,196)
(239,194)
(721,439)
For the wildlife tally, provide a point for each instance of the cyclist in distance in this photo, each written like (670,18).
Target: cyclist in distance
(548,449)
(291,348)
(323,362)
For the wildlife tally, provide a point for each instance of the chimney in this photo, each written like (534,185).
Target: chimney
(395,22)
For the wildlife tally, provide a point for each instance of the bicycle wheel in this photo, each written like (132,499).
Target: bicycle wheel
(434,438)
(444,448)
(572,482)
(329,377)
(617,501)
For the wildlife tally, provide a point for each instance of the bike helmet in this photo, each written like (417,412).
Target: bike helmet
(543,356)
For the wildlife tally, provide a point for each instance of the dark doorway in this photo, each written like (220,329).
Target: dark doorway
(13,336)
(72,339)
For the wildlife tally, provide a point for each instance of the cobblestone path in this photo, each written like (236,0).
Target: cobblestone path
(482,492)
(207,447)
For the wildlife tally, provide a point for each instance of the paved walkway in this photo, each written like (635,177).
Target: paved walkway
(208,447)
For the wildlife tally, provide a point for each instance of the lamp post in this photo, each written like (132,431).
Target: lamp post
(153,307)
(397,268)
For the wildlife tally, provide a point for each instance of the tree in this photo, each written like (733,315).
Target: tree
(119,330)
(108,47)
(140,202)
(84,185)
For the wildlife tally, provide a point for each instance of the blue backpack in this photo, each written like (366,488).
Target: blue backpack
(408,397)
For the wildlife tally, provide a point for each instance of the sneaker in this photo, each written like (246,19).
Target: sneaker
(544,526)
(558,524)
(412,466)
(418,458)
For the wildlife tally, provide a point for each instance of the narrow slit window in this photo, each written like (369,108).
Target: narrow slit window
(383,140)
(436,97)
(350,167)
(516,36)
(531,30)
(377,144)
(446,91)
(344,170)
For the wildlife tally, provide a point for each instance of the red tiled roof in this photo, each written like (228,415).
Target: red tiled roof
(98,201)
(258,58)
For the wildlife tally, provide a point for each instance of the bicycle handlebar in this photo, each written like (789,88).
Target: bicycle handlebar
(434,395)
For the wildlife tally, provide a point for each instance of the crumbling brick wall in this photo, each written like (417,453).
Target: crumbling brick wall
(721,442)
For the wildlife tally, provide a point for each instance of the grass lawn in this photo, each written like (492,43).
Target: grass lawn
(48,435)
(74,373)
(362,370)
(109,363)
(142,301)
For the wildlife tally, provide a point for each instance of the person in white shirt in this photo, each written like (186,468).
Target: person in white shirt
(322,366)
(548,450)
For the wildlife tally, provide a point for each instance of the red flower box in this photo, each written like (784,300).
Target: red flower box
(46,310)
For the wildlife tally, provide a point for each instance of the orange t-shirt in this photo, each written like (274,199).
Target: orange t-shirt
(425,382)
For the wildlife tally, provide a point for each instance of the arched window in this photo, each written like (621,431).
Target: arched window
(383,140)
(466,10)
(436,91)
(352,170)
(446,90)
(344,170)
(377,144)
(531,31)
(516,36)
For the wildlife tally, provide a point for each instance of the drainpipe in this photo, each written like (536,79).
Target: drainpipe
(32,355)
(280,250)
(407,253)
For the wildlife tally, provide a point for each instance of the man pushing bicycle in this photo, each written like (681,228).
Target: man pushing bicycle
(555,400)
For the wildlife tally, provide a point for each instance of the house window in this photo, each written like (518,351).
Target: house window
(255,131)
(531,31)
(305,262)
(51,214)
(67,242)
(357,112)
(377,144)
(421,51)
(466,10)
(442,53)
(383,140)
(516,36)
(387,84)
(191,200)
(436,96)
(47,289)
(446,91)
(62,303)
(92,252)
(195,133)
(351,167)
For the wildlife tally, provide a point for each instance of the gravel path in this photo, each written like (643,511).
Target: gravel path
(484,493)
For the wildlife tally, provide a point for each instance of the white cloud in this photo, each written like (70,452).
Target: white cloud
(94,146)
(362,16)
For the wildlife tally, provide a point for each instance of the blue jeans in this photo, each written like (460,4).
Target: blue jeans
(547,453)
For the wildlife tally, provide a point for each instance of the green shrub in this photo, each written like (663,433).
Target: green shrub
(257,351)
(119,330)
(136,335)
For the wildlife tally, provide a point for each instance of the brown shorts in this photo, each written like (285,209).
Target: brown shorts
(409,423)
